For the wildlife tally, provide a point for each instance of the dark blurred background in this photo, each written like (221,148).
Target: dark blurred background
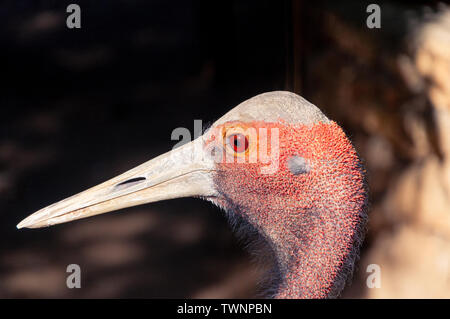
(79,106)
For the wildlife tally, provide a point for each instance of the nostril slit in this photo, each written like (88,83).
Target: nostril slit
(131,181)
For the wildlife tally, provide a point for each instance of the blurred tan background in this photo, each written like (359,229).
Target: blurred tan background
(393,89)
(78,108)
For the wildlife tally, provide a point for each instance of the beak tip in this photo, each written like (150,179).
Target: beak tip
(21,225)
(25,223)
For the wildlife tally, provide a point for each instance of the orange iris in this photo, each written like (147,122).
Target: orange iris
(238,142)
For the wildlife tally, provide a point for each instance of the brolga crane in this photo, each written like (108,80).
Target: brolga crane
(274,162)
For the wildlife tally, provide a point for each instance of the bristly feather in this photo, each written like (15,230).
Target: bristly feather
(264,257)
(313,222)
(345,275)
(258,247)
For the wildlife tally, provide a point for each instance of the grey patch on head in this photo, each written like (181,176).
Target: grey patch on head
(273,106)
(298,165)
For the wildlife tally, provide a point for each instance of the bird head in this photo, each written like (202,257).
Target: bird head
(276,162)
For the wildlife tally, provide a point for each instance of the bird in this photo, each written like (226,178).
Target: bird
(277,166)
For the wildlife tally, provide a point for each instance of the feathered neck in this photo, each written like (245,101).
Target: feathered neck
(313,221)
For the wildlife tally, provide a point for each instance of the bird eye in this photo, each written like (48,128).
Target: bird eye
(238,142)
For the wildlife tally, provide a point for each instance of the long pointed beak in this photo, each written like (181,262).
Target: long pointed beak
(182,172)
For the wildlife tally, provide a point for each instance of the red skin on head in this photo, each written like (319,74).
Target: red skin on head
(311,220)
